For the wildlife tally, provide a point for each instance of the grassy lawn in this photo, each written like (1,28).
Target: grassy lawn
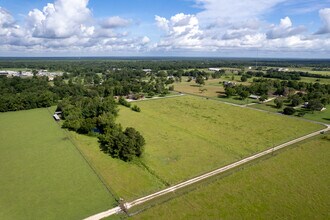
(323,116)
(42,174)
(315,80)
(291,185)
(308,69)
(268,106)
(237,100)
(187,136)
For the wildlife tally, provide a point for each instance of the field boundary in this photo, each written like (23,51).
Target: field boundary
(236,164)
(99,176)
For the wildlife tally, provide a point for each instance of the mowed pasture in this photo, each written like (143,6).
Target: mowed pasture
(43,176)
(291,185)
(213,88)
(320,116)
(187,136)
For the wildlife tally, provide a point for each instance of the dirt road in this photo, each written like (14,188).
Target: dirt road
(204,176)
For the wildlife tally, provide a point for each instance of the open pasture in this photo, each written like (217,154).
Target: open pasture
(187,136)
(291,185)
(43,176)
(213,88)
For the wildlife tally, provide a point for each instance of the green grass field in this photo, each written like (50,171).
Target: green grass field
(315,80)
(126,180)
(187,136)
(213,89)
(309,69)
(269,106)
(42,174)
(294,184)
(320,116)
(323,116)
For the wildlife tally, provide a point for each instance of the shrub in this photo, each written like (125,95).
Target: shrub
(123,102)
(136,108)
(289,111)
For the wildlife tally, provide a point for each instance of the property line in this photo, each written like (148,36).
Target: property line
(204,176)
(66,133)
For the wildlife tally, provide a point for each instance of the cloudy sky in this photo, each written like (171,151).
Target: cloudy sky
(221,28)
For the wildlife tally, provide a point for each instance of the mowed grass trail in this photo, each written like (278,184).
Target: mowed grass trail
(291,185)
(187,136)
(42,174)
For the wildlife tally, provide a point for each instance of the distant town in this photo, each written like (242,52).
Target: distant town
(30,73)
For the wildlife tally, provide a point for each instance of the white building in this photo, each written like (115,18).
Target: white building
(214,69)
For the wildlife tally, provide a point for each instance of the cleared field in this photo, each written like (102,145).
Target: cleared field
(323,116)
(213,89)
(187,136)
(291,185)
(308,69)
(315,80)
(320,116)
(212,86)
(42,174)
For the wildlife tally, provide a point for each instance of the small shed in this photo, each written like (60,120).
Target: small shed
(56,117)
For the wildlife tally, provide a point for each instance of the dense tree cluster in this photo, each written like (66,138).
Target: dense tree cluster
(315,95)
(101,65)
(20,94)
(96,116)
(124,145)
(83,114)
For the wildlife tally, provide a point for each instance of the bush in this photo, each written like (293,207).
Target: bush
(123,102)
(289,111)
(278,103)
(263,98)
(136,108)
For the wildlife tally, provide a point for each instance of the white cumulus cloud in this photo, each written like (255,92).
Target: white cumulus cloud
(181,31)
(115,22)
(325,17)
(62,19)
(284,29)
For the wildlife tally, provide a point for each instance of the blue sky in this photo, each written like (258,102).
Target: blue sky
(222,28)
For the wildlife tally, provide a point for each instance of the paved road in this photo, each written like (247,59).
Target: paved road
(202,177)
